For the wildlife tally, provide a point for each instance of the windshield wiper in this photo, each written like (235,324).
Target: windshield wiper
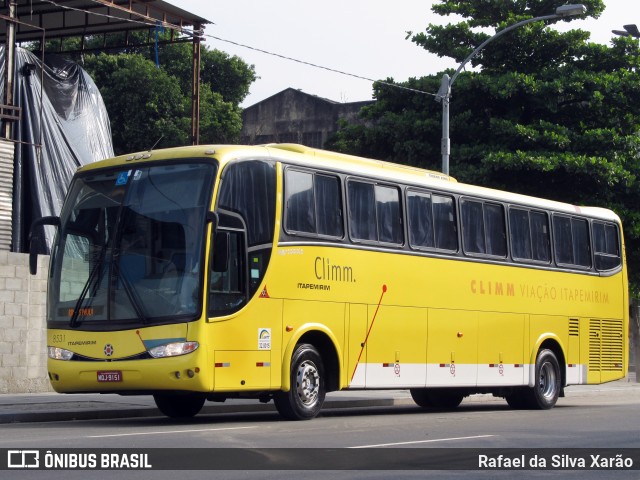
(131,292)
(73,322)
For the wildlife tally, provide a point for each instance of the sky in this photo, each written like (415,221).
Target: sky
(365,38)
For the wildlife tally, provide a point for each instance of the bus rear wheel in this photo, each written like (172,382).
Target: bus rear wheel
(547,382)
(304,399)
(436,397)
(179,406)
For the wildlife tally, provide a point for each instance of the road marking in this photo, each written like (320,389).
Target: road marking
(452,439)
(169,431)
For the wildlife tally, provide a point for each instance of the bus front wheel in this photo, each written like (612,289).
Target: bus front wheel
(179,406)
(547,383)
(304,399)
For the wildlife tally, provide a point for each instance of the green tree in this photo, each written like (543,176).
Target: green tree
(224,84)
(143,102)
(545,113)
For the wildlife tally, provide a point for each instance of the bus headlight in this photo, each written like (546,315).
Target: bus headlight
(173,349)
(58,353)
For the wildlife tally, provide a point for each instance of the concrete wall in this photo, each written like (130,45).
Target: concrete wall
(292,116)
(23,338)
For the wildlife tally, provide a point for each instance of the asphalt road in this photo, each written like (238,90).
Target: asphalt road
(589,419)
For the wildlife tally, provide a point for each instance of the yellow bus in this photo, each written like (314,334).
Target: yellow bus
(283,272)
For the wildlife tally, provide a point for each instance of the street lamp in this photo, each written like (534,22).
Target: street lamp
(629,31)
(444,93)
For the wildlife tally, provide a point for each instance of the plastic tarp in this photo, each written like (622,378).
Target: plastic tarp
(64,125)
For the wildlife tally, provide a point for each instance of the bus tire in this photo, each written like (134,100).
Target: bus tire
(547,382)
(179,406)
(304,399)
(447,398)
(517,399)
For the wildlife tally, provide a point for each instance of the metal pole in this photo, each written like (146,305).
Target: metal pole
(445,145)
(195,87)
(9,66)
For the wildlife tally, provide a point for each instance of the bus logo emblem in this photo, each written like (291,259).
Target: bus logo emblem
(108,349)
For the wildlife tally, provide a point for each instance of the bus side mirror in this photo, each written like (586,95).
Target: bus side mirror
(33,255)
(221,248)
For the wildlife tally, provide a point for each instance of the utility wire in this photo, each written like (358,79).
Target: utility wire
(303,62)
(201,34)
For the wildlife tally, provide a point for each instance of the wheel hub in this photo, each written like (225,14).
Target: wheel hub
(547,380)
(308,383)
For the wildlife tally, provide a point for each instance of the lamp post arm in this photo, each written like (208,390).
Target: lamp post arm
(497,35)
(444,93)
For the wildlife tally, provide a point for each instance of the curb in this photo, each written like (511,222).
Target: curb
(110,413)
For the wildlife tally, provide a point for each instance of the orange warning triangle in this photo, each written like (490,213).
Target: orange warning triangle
(264,293)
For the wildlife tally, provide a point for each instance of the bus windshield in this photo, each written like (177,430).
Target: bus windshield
(130,246)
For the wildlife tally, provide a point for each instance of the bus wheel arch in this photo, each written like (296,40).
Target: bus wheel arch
(553,345)
(548,380)
(304,399)
(326,347)
(312,370)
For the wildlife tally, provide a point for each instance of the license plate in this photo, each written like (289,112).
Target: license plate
(112,376)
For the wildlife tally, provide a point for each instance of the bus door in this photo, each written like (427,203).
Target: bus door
(242,360)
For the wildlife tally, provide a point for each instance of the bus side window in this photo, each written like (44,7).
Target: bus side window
(420,213)
(572,241)
(581,243)
(445,222)
(374,212)
(300,204)
(432,221)
(329,205)
(563,242)
(495,230)
(483,228)
(389,216)
(313,204)
(529,233)
(606,246)
(362,211)
(520,234)
(227,276)
(473,227)
(540,242)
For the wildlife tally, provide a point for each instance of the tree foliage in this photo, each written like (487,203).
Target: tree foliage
(544,113)
(143,102)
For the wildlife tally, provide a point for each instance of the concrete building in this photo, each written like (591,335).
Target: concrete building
(293,116)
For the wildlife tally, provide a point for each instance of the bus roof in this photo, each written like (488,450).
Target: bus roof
(349,164)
